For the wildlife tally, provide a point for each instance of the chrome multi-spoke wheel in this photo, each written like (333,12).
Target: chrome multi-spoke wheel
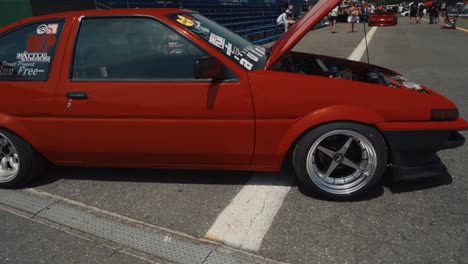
(9,159)
(340,160)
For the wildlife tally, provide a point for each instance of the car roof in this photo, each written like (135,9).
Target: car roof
(117,11)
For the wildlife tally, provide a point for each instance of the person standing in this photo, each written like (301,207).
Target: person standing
(432,12)
(334,18)
(352,14)
(437,10)
(442,13)
(413,13)
(420,13)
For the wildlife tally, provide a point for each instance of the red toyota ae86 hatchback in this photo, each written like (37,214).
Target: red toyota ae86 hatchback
(169,88)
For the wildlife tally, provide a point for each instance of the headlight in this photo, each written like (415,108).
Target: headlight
(444,114)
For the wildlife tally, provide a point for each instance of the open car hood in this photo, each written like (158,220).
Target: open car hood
(299,29)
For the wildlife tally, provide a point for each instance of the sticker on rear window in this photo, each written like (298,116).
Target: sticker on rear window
(47,29)
(40,43)
(33,57)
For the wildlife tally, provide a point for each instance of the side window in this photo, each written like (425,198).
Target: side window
(26,52)
(131,48)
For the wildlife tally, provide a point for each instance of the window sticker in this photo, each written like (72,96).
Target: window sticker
(239,50)
(185,21)
(247,64)
(30,57)
(246,57)
(37,49)
(40,43)
(201,30)
(217,41)
(19,69)
(231,50)
(194,25)
(47,29)
(52,29)
(33,57)
(7,68)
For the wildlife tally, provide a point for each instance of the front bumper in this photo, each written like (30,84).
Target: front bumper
(413,152)
(381,23)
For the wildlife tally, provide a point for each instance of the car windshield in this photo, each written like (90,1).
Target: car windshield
(233,46)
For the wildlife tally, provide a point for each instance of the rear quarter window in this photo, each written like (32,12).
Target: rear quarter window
(26,52)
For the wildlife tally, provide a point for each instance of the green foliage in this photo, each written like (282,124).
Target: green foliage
(13,10)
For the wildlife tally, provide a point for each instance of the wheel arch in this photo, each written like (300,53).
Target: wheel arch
(15,126)
(339,113)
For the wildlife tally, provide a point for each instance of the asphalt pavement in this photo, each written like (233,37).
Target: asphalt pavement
(424,221)
(25,241)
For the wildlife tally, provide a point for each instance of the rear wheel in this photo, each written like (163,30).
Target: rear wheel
(340,160)
(19,162)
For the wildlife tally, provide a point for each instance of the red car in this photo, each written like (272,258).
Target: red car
(383,18)
(169,88)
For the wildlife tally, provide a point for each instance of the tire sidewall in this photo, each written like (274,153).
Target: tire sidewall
(309,138)
(25,154)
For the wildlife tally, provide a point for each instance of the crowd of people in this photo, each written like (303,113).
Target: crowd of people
(437,13)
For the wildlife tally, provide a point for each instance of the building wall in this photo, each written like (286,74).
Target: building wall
(42,7)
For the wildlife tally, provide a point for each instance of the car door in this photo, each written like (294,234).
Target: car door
(127,95)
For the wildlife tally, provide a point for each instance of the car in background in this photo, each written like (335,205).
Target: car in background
(383,18)
(169,88)
(405,12)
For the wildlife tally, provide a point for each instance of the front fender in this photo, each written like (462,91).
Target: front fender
(327,115)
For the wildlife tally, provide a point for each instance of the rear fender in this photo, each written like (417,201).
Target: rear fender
(15,126)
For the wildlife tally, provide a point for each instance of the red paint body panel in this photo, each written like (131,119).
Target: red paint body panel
(30,115)
(248,124)
(288,104)
(155,122)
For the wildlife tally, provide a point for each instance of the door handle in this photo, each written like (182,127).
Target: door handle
(77,95)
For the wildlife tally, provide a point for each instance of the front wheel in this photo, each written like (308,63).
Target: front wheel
(340,160)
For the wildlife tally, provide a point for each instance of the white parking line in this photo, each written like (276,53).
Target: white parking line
(245,221)
(361,48)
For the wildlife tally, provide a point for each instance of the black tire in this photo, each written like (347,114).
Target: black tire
(31,163)
(311,149)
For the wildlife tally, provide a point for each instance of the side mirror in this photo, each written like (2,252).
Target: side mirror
(208,68)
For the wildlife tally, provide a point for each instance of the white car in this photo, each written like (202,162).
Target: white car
(405,13)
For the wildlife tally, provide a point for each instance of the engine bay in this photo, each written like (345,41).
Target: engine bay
(332,67)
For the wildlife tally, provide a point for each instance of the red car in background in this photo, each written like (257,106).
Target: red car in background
(383,18)
(169,88)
